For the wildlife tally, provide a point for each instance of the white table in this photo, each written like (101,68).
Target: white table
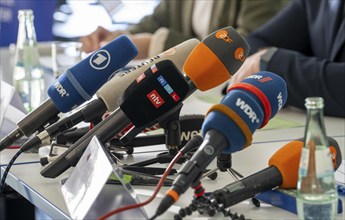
(46,193)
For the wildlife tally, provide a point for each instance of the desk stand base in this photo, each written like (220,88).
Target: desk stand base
(15,206)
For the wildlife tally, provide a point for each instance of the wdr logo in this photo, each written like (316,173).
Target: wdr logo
(60,89)
(100,60)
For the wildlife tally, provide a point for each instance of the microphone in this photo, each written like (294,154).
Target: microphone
(282,172)
(146,91)
(109,93)
(92,112)
(228,127)
(221,53)
(190,126)
(77,85)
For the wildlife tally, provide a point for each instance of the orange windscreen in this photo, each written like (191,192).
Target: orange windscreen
(286,159)
(205,69)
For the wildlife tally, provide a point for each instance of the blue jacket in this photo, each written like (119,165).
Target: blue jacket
(311,52)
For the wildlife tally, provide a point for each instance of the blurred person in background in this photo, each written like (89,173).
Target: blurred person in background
(304,44)
(174,21)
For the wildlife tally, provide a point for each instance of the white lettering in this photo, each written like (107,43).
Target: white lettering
(280,101)
(60,89)
(146,62)
(254,77)
(155,99)
(189,135)
(247,110)
(226,38)
(100,59)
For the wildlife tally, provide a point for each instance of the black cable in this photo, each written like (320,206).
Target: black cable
(3,179)
(153,217)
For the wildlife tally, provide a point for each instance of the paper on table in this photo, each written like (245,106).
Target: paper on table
(86,193)
(11,109)
(6,95)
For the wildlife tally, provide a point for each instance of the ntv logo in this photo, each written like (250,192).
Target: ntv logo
(155,98)
(100,60)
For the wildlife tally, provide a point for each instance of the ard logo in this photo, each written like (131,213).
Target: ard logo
(100,60)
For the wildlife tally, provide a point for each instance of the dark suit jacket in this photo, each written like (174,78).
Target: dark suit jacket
(311,54)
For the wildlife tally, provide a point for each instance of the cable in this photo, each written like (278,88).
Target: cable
(159,185)
(195,141)
(153,217)
(3,179)
(22,149)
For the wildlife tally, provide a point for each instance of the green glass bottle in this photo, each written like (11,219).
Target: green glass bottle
(316,189)
(28,75)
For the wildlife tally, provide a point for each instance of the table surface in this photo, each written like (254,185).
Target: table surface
(46,193)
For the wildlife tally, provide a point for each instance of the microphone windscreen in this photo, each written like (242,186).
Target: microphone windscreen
(287,160)
(268,89)
(80,82)
(244,108)
(271,85)
(154,93)
(216,58)
(111,91)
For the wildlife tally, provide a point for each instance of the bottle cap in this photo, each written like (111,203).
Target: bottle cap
(314,102)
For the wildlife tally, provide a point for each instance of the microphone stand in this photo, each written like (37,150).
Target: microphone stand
(172,136)
(224,163)
(172,139)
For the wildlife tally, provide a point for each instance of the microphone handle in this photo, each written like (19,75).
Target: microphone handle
(39,117)
(97,108)
(71,136)
(214,143)
(104,131)
(35,120)
(94,109)
(141,141)
(248,187)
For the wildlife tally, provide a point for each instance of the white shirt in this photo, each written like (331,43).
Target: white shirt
(201,17)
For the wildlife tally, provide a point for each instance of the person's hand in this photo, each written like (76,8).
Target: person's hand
(142,42)
(250,66)
(97,39)
(102,36)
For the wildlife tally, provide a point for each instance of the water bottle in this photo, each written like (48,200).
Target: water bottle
(316,189)
(28,75)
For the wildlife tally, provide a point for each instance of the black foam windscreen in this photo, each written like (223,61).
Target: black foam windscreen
(157,90)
